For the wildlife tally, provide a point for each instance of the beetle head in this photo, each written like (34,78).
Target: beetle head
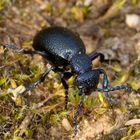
(87,81)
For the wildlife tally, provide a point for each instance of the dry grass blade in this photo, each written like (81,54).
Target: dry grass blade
(112,11)
(24,125)
(132,122)
(49,108)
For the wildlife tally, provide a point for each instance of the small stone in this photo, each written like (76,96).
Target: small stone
(66,124)
(133,21)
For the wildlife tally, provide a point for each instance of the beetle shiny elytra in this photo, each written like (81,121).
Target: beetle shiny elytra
(63,48)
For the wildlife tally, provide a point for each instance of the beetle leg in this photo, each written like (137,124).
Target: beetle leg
(65,75)
(21,50)
(42,78)
(13,47)
(78,112)
(65,85)
(94,55)
(107,90)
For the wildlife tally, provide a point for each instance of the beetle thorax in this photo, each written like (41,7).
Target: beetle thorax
(81,63)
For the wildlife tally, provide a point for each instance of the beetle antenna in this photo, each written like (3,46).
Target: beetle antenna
(107,90)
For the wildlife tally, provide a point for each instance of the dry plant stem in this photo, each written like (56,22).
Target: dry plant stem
(49,108)
(27,120)
(25,123)
(112,11)
(39,105)
(1,67)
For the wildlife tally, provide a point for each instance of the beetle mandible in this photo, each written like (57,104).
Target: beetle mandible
(64,48)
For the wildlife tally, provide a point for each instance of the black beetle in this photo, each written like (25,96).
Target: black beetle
(64,48)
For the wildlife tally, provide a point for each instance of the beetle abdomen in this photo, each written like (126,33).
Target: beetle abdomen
(59,42)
